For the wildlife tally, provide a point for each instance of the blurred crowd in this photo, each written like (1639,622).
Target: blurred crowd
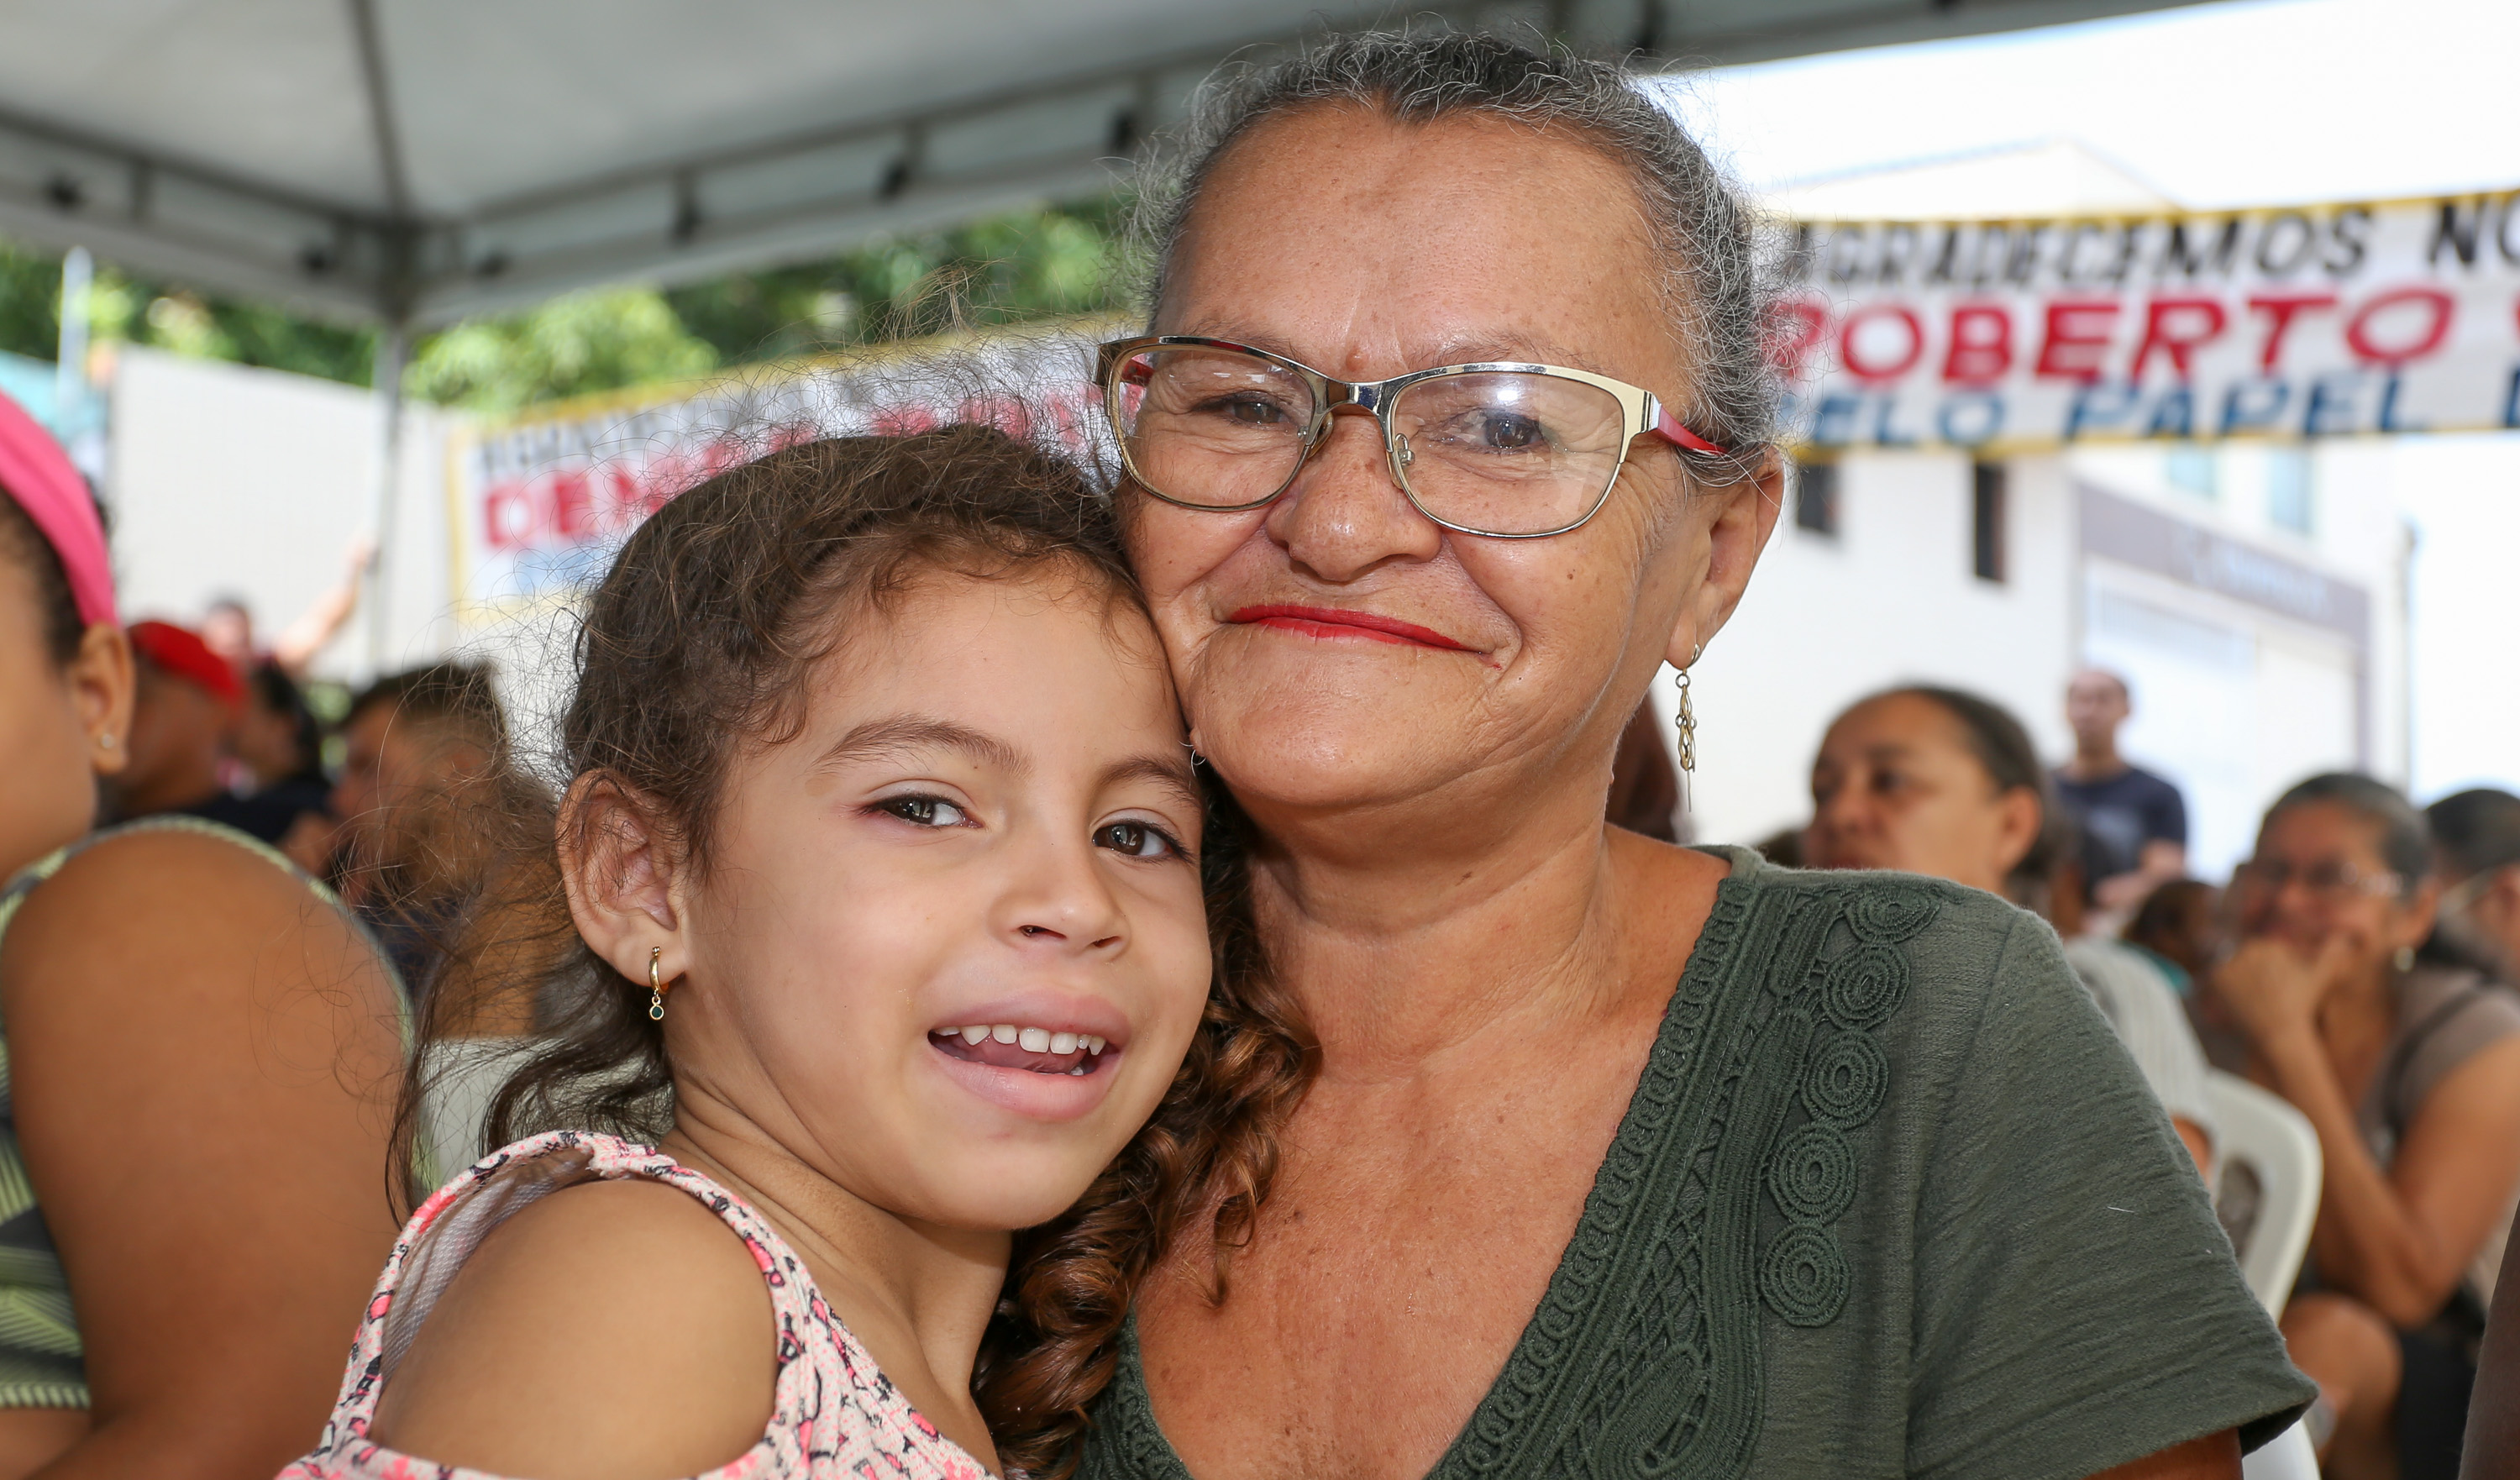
(2358,966)
(381,803)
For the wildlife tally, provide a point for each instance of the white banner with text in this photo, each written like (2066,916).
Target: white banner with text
(538,505)
(2323,320)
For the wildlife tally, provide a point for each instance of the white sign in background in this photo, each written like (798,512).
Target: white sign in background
(539,505)
(2324,321)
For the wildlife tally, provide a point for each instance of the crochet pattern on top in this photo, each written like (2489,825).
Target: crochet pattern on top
(1713,1219)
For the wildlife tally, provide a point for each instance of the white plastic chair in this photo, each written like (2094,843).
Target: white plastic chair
(2259,1130)
(2289,1456)
(2276,1142)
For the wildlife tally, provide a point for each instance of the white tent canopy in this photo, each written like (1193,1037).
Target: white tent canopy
(410,161)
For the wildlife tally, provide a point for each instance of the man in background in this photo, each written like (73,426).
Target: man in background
(228,625)
(2134,823)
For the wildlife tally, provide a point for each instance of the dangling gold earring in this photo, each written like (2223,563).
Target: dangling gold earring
(656,985)
(1688,725)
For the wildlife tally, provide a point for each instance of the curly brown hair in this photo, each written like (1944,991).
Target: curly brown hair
(697,640)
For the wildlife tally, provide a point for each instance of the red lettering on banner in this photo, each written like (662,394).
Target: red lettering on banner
(1881,370)
(1075,425)
(2078,339)
(633,497)
(2357,329)
(571,513)
(2162,331)
(2279,310)
(1793,329)
(506,516)
(1981,348)
(902,420)
(1005,413)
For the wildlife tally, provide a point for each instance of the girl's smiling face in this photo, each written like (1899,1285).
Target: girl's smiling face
(948,946)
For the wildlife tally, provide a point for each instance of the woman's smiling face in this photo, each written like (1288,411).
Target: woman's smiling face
(1336,649)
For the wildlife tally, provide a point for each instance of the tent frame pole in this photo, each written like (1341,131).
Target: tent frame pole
(393,348)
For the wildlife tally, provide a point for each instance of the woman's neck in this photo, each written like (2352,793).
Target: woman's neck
(1406,936)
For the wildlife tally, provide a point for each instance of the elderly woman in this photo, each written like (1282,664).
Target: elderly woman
(1619,1158)
(2409,1069)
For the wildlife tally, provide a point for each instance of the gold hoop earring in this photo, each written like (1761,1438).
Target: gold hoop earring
(656,985)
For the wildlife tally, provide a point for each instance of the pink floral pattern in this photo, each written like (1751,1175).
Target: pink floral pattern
(833,1417)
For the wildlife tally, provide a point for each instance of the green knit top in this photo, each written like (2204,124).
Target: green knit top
(1889,1199)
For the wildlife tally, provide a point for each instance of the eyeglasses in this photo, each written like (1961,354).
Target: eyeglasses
(2461,897)
(2331,880)
(1516,452)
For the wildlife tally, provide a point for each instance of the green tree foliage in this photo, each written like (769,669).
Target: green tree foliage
(173,319)
(600,339)
(31,290)
(1028,264)
(256,333)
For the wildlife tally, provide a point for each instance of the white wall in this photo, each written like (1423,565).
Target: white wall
(230,480)
(1890,599)
(2233,701)
(2462,495)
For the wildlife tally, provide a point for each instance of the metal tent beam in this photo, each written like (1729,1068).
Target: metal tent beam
(778,199)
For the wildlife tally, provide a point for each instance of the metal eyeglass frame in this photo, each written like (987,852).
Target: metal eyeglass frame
(1642,410)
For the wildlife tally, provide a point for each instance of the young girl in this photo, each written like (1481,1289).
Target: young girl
(882,843)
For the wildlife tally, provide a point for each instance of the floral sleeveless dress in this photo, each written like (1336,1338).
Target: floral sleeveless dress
(833,1415)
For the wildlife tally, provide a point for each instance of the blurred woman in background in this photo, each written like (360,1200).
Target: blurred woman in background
(2409,1067)
(196,1084)
(2476,856)
(1939,782)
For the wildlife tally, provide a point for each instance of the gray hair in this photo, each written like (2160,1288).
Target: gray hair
(1701,225)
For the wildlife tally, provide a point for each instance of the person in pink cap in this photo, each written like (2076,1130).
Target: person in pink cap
(199,1054)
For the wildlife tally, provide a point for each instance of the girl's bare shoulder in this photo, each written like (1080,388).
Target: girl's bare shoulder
(613,1329)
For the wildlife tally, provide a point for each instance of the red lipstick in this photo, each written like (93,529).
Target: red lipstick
(1333,622)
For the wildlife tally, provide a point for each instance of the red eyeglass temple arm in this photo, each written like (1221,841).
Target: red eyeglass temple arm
(1668,427)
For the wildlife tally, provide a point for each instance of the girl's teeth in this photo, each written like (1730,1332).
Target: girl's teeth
(1032,1039)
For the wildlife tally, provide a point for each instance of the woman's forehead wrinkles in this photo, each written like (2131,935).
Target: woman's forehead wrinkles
(1457,347)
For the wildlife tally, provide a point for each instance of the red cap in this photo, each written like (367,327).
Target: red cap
(180,650)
